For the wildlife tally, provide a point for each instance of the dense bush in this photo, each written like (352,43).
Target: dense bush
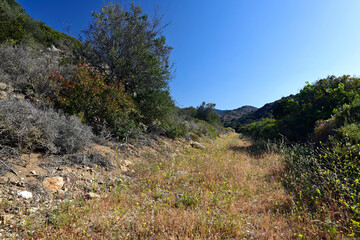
(327,178)
(265,128)
(322,169)
(27,69)
(30,128)
(155,105)
(98,103)
(298,116)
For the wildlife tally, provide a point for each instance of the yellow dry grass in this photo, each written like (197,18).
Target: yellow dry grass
(223,192)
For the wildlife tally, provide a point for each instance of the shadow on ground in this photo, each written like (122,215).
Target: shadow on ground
(255,150)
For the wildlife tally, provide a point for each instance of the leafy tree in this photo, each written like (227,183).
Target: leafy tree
(188,113)
(124,43)
(206,112)
(284,107)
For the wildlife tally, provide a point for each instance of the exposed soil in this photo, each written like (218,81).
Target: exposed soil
(93,170)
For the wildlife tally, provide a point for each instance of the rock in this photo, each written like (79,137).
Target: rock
(197,145)
(124,169)
(33,210)
(10,89)
(60,194)
(25,194)
(19,96)
(126,163)
(181,172)
(3,94)
(92,195)
(3,86)
(53,184)
(250,233)
(53,49)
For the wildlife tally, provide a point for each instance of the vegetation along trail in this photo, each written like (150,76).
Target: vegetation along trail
(229,189)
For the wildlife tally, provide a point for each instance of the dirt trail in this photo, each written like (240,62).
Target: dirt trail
(229,190)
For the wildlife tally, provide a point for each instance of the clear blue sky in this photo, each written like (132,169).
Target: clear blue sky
(239,52)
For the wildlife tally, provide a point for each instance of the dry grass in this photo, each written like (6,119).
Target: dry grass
(223,192)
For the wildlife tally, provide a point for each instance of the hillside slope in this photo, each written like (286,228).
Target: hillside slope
(16,26)
(232,115)
(263,112)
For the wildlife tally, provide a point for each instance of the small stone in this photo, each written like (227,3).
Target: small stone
(250,233)
(10,89)
(126,163)
(33,210)
(53,184)
(25,194)
(19,96)
(3,86)
(124,169)
(33,172)
(92,195)
(197,145)
(3,94)
(60,194)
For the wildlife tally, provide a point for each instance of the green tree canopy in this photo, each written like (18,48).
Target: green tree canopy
(206,112)
(122,41)
(128,46)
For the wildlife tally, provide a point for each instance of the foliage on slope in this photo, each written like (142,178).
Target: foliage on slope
(116,79)
(201,121)
(322,127)
(18,27)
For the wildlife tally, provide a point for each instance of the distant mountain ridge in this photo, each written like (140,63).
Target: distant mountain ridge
(228,116)
(265,111)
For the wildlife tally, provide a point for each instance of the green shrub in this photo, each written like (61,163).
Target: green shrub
(265,128)
(98,103)
(327,177)
(174,129)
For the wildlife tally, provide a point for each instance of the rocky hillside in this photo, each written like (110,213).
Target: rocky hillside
(233,115)
(263,112)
